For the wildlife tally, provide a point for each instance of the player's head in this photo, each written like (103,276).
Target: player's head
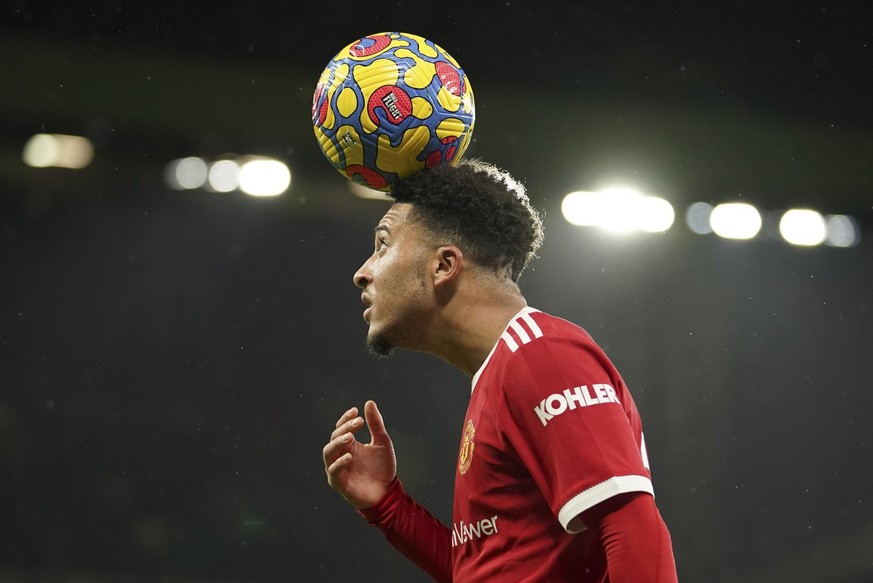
(471,214)
(481,209)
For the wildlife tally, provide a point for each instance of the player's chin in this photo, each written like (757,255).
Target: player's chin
(378,345)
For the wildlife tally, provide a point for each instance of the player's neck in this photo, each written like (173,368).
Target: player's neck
(474,327)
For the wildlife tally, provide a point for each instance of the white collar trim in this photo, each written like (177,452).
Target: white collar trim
(525,310)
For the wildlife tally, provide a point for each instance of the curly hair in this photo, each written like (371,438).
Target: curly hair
(479,207)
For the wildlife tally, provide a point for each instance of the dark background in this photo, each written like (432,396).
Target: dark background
(171,363)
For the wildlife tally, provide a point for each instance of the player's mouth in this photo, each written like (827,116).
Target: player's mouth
(369,303)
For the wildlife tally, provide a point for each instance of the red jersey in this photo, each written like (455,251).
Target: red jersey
(551,431)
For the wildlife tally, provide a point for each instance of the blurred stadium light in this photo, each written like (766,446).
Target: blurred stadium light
(843,231)
(697,218)
(656,214)
(620,210)
(264,177)
(58,150)
(735,220)
(253,175)
(801,227)
(223,176)
(804,227)
(186,173)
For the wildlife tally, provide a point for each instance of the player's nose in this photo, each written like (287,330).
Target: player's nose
(363,276)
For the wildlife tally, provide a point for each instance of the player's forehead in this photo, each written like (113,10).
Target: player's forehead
(398,218)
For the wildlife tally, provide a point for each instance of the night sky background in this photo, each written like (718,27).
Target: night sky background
(171,363)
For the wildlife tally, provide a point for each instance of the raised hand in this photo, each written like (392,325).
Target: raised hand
(360,472)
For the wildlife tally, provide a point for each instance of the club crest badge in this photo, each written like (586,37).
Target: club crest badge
(465,457)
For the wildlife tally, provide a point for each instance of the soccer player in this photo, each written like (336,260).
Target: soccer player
(552,482)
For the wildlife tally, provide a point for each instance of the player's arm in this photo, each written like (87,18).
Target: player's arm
(365,474)
(635,538)
(413,531)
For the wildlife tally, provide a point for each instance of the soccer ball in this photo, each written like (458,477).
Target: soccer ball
(389,105)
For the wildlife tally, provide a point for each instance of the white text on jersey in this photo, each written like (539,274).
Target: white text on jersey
(463,533)
(558,403)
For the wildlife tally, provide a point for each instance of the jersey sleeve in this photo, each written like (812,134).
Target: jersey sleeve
(413,531)
(563,414)
(635,539)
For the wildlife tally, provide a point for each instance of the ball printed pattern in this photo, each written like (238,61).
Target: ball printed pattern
(389,105)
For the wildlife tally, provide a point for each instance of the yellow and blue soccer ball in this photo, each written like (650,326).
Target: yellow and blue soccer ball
(389,105)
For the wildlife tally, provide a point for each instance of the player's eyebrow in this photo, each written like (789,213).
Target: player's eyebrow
(382,228)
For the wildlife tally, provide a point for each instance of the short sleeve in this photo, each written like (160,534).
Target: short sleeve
(571,421)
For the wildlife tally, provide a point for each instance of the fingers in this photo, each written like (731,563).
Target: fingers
(336,446)
(351,413)
(337,452)
(335,469)
(348,423)
(378,433)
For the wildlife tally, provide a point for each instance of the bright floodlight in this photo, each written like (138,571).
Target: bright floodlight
(619,210)
(581,208)
(224,176)
(58,150)
(186,173)
(803,227)
(843,231)
(656,215)
(697,218)
(735,220)
(264,177)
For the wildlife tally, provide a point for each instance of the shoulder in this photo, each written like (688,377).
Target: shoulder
(556,367)
(537,338)
(533,327)
(544,353)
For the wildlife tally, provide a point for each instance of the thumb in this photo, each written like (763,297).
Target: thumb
(378,433)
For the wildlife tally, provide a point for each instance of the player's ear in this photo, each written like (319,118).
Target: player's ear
(447,264)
